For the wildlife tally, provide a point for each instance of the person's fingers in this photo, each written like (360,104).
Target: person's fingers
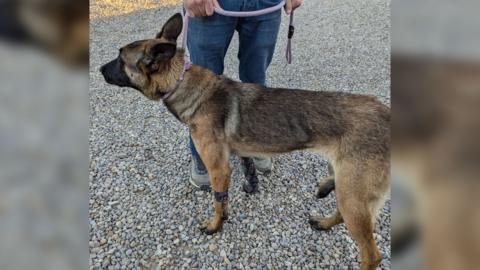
(190,12)
(288,6)
(187,4)
(209,7)
(195,8)
(296,4)
(199,10)
(202,6)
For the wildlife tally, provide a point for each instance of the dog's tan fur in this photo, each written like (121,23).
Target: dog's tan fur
(227,117)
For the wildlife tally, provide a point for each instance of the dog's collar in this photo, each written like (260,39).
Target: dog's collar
(186,66)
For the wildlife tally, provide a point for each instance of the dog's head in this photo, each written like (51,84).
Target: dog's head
(147,65)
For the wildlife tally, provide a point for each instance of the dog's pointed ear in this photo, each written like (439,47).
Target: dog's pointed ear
(159,52)
(172,28)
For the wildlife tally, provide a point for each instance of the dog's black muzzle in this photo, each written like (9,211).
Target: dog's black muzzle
(114,74)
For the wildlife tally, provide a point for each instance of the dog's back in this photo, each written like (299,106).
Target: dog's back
(277,120)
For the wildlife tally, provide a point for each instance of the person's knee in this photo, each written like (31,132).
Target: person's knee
(253,73)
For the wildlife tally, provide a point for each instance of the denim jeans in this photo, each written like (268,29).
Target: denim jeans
(209,38)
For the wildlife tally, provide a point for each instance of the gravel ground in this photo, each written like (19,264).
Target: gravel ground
(144,213)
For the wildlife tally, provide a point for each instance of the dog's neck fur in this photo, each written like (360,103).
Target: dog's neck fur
(167,75)
(191,92)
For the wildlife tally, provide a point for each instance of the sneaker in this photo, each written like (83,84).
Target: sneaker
(198,177)
(263,165)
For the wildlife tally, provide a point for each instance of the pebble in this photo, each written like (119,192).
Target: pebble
(212,247)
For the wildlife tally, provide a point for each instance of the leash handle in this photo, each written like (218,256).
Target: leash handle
(291,30)
(186,55)
(218,9)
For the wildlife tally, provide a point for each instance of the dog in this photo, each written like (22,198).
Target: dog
(228,117)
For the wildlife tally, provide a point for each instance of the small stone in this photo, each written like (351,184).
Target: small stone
(113,203)
(103,242)
(168,231)
(223,253)
(145,263)
(105,263)
(212,247)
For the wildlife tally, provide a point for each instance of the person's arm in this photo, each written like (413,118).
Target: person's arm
(197,8)
(291,5)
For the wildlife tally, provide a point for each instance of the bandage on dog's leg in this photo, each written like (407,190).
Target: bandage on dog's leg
(221,196)
(251,186)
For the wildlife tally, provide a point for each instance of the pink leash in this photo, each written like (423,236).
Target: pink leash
(221,11)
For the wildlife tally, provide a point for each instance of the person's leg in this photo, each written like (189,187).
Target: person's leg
(258,36)
(208,41)
(257,45)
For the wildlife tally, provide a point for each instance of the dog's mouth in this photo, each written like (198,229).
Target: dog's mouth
(113,74)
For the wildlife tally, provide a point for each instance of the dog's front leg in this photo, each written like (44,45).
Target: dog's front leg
(215,157)
(219,181)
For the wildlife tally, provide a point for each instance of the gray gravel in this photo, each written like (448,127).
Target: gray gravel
(145,214)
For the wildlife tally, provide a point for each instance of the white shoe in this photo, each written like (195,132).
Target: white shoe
(263,165)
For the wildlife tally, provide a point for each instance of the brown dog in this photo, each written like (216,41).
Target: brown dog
(227,117)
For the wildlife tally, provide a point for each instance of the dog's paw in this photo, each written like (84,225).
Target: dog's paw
(250,189)
(317,224)
(210,226)
(322,193)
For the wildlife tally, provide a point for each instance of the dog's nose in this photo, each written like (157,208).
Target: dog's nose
(102,69)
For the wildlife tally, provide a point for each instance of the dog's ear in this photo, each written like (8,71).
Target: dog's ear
(158,53)
(162,51)
(172,28)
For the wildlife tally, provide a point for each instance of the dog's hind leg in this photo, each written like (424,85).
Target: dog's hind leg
(323,224)
(360,189)
(251,186)
(360,224)
(326,185)
(215,157)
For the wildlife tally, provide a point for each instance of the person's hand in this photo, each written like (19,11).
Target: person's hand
(199,7)
(291,5)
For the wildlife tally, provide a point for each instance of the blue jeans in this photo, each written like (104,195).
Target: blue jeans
(209,38)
